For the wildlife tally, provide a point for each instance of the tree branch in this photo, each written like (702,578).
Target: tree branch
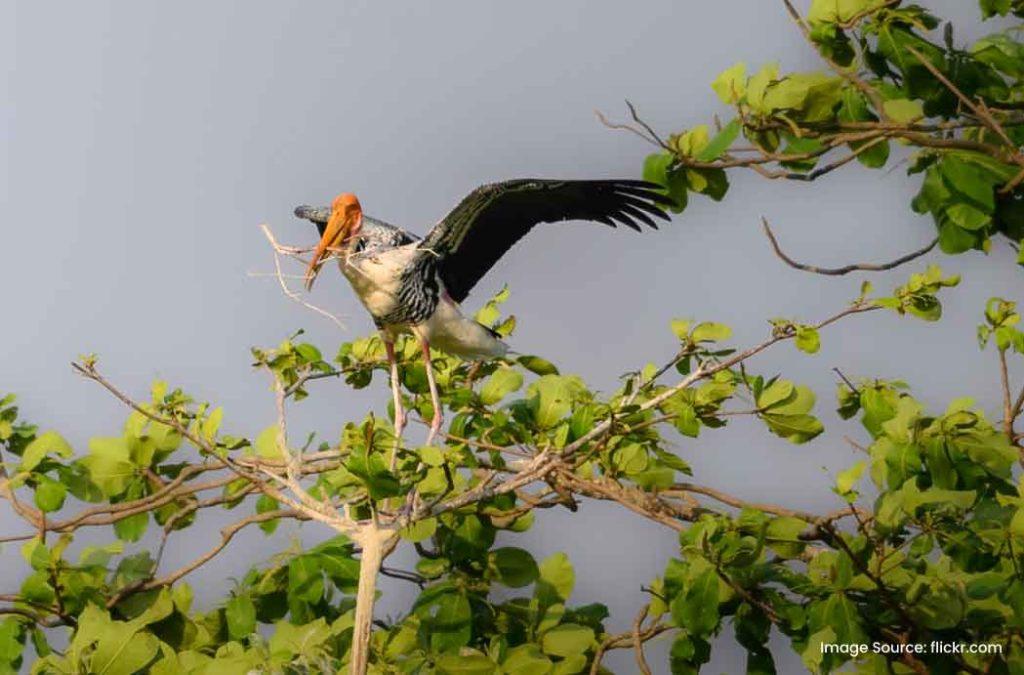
(845,269)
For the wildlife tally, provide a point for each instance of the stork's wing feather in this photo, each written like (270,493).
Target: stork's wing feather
(488,222)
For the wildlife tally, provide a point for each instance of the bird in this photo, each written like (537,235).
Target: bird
(414,285)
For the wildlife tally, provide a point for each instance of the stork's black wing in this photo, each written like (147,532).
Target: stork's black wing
(489,221)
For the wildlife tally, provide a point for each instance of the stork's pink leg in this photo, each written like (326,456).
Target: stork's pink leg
(435,399)
(396,395)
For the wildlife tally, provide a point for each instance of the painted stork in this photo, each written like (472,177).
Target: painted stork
(414,285)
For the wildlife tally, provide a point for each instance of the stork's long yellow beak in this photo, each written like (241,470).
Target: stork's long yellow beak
(346,215)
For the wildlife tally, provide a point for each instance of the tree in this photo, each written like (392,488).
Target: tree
(889,84)
(927,550)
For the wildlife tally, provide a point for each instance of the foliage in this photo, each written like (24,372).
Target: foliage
(936,557)
(894,87)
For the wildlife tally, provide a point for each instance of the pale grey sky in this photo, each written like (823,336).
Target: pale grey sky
(144,142)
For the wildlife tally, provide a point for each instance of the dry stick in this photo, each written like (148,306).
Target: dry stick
(846,380)
(845,269)
(773,509)
(289,250)
(646,126)
(649,506)
(624,127)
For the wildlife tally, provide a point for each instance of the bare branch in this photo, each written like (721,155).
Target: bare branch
(845,269)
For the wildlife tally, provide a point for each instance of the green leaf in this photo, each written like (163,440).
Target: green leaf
(774,394)
(551,399)
(656,168)
(814,653)
(557,574)
(133,527)
(526,659)
(463,664)
(681,328)
(46,443)
(267,504)
(903,110)
(211,425)
(109,465)
(567,639)
(672,461)
(782,536)
(838,11)
(537,365)
(240,614)
(721,142)
(794,428)
(420,530)
(811,96)
(758,85)
(969,180)
(710,332)
(450,622)
(514,567)
(49,494)
(11,645)
(305,579)
(697,608)
(686,421)
(807,339)
(848,478)
(266,443)
(373,472)
(731,84)
(800,401)
(290,642)
(968,217)
(123,651)
(500,384)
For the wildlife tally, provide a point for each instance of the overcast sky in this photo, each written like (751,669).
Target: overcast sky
(144,142)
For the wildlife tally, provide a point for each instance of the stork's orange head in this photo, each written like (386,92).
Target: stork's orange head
(345,222)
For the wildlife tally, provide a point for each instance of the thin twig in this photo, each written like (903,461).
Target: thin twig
(846,380)
(289,250)
(624,127)
(845,269)
(647,127)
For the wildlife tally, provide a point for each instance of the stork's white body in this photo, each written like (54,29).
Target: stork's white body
(376,278)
